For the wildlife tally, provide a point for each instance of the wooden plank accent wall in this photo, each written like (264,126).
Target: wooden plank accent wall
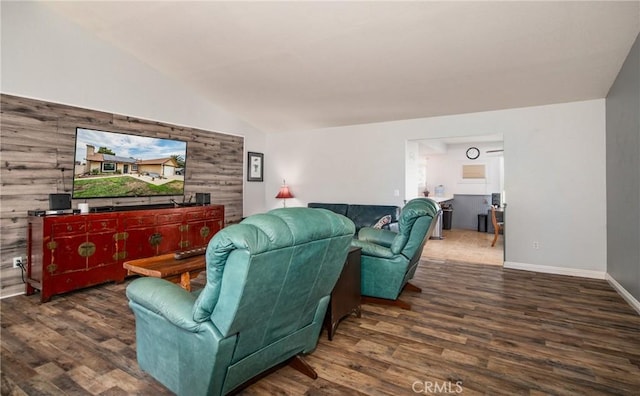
(37,156)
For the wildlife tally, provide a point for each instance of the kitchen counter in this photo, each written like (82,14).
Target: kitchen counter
(441,199)
(437,231)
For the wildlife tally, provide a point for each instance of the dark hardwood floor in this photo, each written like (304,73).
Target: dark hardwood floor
(475,329)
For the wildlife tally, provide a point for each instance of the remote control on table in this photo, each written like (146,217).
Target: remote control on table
(190,253)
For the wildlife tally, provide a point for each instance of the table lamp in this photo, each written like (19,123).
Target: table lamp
(284,193)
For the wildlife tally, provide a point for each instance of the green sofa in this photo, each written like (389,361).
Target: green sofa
(269,279)
(363,215)
(390,259)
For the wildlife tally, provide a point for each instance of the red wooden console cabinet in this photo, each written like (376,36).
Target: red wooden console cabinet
(69,252)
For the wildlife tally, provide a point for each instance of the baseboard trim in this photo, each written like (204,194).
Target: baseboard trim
(555,270)
(635,304)
(11,295)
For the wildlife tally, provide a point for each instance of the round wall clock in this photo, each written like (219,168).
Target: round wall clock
(473,153)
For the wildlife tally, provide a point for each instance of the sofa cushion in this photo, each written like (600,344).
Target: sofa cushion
(368,215)
(362,215)
(338,208)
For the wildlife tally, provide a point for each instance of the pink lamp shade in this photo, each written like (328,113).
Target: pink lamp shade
(284,193)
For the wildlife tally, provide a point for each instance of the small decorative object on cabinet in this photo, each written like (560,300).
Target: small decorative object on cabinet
(70,252)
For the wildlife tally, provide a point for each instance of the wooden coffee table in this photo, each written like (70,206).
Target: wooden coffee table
(167,267)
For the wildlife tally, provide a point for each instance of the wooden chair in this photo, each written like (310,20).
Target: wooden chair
(497,225)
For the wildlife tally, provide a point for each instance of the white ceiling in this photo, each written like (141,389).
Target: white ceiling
(286,66)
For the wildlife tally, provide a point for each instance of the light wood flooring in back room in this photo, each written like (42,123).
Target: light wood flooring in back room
(467,246)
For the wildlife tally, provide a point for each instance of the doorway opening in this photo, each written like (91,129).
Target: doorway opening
(465,174)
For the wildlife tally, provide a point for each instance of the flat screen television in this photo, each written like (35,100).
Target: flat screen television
(111,164)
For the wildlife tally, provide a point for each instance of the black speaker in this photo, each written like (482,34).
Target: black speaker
(59,201)
(203,198)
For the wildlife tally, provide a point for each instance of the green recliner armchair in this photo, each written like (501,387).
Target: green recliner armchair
(269,281)
(389,259)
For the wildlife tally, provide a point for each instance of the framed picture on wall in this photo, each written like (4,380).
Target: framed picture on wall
(255,166)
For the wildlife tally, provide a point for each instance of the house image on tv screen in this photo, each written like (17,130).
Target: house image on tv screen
(100,163)
(111,165)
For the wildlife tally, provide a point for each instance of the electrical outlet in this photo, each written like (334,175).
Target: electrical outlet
(536,245)
(16,262)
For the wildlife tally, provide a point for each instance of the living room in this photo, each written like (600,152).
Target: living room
(571,176)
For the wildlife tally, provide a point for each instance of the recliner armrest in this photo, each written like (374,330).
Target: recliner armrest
(371,249)
(377,236)
(165,299)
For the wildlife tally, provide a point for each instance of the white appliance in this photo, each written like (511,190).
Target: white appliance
(437,230)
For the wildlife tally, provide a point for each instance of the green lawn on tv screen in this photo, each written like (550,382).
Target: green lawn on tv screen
(123,186)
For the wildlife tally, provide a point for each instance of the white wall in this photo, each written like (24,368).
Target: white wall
(446,169)
(357,164)
(46,57)
(554,164)
(414,171)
